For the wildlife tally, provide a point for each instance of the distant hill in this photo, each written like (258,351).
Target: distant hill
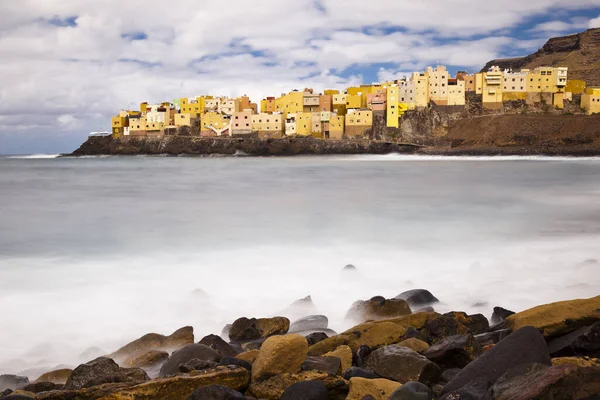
(580,52)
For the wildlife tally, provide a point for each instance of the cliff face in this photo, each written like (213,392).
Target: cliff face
(579,52)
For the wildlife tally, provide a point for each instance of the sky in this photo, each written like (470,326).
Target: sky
(67,66)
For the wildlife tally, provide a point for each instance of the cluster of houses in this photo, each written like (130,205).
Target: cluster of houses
(334,114)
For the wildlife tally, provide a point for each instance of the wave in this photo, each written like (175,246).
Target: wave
(412,157)
(35,156)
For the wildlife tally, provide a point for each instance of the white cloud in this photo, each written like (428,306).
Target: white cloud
(594,23)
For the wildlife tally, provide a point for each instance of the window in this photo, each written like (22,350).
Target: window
(513,88)
(246,117)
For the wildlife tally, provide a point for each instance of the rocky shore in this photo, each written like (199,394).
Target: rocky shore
(399,349)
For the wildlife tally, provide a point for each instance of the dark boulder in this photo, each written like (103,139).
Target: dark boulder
(216,392)
(307,390)
(356,372)
(583,342)
(437,329)
(476,323)
(412,332)
(316,338)
(448,374)
(349,269)
(245,329)
(196,365)
(331,365)
(219,345)
(123,375)
(402,364)
(236,361)
(485,339)
(360,357)
(418,298)
(185,354)
(500,314)
(526,345)
(412,391)
(13,382)
(39,387)
(377,308)
(309,323)
(84,373)
(454,351)
(11,396)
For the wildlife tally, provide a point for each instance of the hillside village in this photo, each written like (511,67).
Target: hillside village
(351,114)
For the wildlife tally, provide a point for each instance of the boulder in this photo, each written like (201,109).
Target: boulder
(379,389)
(38,387)
(316,337)
(500,314)
(414,344)
(307,390)
(299,309)
(147,360)
(102,370)
(274,387)
(13,382)
(175,387)
(249,356)
(344,353)
(219,345)
(185,354)
(216,392)
(577,361)
(310,323)
(437,329)
(378,308)
(59,376)
(361,355)
(373,334)
(236,361)
(356,372)
(244,329)
(448,374)
(417,298)
(19,395)
(154,341)
(331,365)
(494,337)
(278,355)
(402,364)
(476,323)
(557,319)
(349,269)
(196,364)
(412,391)
(454,351)
(582,342)
(526,345)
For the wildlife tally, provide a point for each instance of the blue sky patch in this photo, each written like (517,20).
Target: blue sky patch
(63,22)
(131,36)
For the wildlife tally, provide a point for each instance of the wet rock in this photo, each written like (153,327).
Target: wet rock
(488,338)
(219,345)
(577,361)
(310,323)
(412,391)
(274,387)
(402,365)
(196,365)
(356,372)
(316,337)
(6,392)
(59,376)
(361,355)
(448,374)
(154,341)
(523,346)
(307,390)
(417,298)
(85,373)
(344,353)
(379,389)
(349,269)
(372,334)
(437,329)
(249,356)
(378,308)
(500,314)
(278,355)
(414,344)
(476,323)
(185,354)
(42,387)
(237,362)
(225,331)
(13,382)
(248,329)
(150,359)
(216,392)
(454,351)
(412,332)
(583,342)
(299,309)
(560,318)
(331,365)
(19,395)
(132,375)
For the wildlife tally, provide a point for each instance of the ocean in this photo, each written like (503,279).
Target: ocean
(95,252)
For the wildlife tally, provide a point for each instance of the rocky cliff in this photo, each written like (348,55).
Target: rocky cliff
(579,52)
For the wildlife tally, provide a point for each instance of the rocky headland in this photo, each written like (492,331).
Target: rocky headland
(398,349)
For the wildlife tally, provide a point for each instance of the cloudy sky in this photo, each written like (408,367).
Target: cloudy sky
(68,65)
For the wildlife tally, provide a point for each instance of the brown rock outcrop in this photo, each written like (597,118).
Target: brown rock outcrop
(279,355)
(379,389)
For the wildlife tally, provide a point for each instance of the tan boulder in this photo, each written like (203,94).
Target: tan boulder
(380,389)
(373,334)
(414,344)
(59,376)
(176,387)
(378,308)
(344,353)
(273,388)
(279,355)
(244,329)
(146,360)
(249,356)
(560,318)
(154,341)
(577,361)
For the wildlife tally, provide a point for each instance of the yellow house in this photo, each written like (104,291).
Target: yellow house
(330,92)
(268,125)
(215,123)
(590,100)
(137,123)
(393,101)
(119,123)
(338,103)
(183,120)
(336,127)
(357,122)
(491,90)
(456,92)
(155,128)
(575,86)
(188,106)
(143,107)
(304,124)
(291,103)
(438,84)
(353,101)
